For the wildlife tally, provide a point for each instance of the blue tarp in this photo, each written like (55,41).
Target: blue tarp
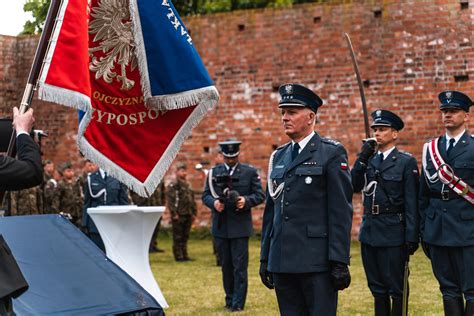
(67,273)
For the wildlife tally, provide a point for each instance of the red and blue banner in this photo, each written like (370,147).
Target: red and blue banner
(132,67)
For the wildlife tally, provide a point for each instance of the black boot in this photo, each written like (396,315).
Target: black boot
(382,306)
(453,307)
(397,306)
(469,308)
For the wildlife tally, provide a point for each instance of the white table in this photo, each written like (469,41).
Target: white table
(126,231)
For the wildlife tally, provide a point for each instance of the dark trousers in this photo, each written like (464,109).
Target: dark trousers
(384,268)
(234,256)
(453,267)
(304,294)
(181,229)
(6,308)
(154,237)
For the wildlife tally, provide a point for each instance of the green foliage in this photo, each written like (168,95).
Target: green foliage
(39,10)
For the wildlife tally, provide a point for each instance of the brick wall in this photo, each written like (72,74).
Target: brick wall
(408,52)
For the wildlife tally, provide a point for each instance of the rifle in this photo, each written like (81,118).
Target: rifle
(35,70)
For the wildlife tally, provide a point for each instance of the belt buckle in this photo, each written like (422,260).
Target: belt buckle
(445,195)
(375,209)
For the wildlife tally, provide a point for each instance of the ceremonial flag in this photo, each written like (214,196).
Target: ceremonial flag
(132,67)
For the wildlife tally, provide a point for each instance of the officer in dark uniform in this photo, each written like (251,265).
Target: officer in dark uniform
(447,205)
(16,174)
(308,213)
(389,231)
(231,190)
(101,189)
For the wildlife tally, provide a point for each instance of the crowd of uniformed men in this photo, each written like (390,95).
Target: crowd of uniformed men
(308,209)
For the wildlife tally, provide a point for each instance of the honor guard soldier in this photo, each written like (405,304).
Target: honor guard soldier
(308,213)
(183,209)
(231,190)
(389,232)
(447,205)
(101,189)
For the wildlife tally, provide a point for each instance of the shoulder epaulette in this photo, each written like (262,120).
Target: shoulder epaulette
(283,146)
(405,153)
(431,138)
(330,141)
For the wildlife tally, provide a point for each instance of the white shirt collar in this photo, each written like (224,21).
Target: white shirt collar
(456,139)
(304,141)
(231,169)
(102,173)
(387,152)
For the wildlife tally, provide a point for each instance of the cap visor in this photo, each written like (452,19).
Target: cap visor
(296,105)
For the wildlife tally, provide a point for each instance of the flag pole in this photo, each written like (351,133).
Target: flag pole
(35,70)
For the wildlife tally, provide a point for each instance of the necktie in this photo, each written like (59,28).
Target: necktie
(380,157)
(295,151)
(451,145)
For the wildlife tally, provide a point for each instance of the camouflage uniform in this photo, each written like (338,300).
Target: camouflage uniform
(180,202)
(156,199)
(48,187)
(26,202)
(82,180)
(67,199)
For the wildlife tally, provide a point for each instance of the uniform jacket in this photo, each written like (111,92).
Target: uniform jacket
(48,189)
(27,201)
(180,198)
(24,172)
(309,224)
(449,223)
(67,199)
(17,174)
(232,223)
(117,194)
(397,186)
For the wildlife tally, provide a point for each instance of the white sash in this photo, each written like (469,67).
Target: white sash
(274,194)
(445,173)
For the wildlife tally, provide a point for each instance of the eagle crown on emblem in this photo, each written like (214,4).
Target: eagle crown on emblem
(289,88)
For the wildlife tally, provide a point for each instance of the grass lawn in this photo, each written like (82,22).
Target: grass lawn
(195,288)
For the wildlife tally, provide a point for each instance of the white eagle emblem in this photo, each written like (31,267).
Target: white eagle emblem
(448,95)
(378,113)
(289,89)
(111,25)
